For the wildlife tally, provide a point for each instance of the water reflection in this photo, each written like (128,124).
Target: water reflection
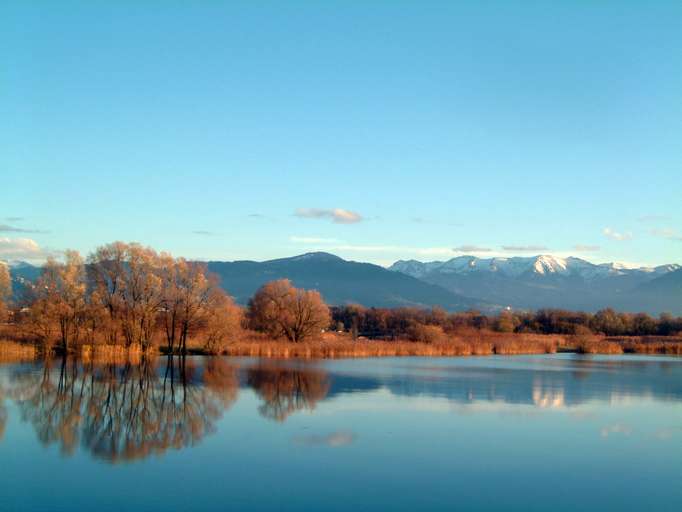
(126,412)
(286,390)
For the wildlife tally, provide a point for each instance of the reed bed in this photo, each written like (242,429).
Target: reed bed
(666,345)
(340,346)
(13,352)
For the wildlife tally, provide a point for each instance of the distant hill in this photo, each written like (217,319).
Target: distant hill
(339,281)
(550,282)
(458,284)
(663,293)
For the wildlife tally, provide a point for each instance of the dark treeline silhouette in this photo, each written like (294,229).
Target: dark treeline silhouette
(429,324)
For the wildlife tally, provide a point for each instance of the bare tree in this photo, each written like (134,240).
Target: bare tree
(222,321)
(59,305)
(126,280)
(281,310)
(5,289)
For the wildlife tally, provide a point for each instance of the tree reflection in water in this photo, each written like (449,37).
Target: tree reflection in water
(286,390)
(127,412)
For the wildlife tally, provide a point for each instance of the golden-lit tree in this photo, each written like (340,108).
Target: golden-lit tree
(126,280)
(188,294)
(281,310)
(222,322)
(59,302)
(5,289)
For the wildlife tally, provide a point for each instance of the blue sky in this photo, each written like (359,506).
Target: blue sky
(374,130)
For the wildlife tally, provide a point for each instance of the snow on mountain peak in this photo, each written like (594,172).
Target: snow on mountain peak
(550,264)
(514,267)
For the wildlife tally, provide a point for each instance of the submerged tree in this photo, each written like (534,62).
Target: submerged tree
(281,310)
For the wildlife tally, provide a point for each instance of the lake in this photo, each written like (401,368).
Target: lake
(550,432)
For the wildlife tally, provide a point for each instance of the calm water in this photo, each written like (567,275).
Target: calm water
(560,432)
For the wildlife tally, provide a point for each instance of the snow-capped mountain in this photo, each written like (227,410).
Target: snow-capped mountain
(519,266)
(545,281)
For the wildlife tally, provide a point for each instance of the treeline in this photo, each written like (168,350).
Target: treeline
(430,324)
(128,295)
(125,294)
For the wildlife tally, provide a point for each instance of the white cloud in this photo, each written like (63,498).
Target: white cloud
(586,248)
(471,248)
(615,235)
(524,248)
(337,215)
(21,249)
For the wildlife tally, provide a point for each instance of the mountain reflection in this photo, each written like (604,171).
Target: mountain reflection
(125,412)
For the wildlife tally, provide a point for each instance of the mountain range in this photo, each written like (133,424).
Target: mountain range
(461,283)
(550,282)
(339,281)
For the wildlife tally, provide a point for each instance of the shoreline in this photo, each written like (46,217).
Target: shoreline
(334,346)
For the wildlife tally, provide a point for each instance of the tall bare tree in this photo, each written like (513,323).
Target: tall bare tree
(5,289)
(60,301)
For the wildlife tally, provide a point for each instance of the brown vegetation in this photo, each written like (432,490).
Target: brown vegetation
(126,301)
(336,345)
(126,296)
(282,311)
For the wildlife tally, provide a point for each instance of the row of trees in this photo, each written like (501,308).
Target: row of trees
(127,294)
(413,323)
(130,295)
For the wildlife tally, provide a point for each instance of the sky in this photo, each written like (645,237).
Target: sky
(377,131)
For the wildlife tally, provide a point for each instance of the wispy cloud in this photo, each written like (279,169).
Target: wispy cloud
(337,215)
(256,216)
(586,248)
(14,219)
(22,249)
(6,228)
(314,240)
(615,235)
(471,248)
(667,233)
(203,232)
(524,248)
